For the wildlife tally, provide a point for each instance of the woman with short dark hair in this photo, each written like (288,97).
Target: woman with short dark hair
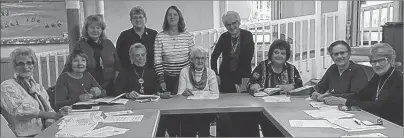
(76,84)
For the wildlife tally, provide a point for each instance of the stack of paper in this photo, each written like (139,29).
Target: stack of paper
(277,98)
(147,98)
(129,118)
(83,114)
(105,132)
(328,114)
(321,105)
(267,92)
(77,126)
(204,95)
(112,99)
(118,113)
(353,124)
(365,135)
(311,123)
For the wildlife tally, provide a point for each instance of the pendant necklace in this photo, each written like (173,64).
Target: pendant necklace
(234,46)
(140,80)
(378,90)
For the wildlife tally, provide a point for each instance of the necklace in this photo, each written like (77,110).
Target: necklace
(234,46)
(378,90)
(140,80)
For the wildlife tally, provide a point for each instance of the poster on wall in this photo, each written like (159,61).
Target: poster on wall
(33,22)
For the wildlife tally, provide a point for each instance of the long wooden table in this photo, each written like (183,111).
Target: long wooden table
(278,113)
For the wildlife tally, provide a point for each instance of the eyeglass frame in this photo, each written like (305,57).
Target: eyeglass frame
(380,61)
(22,64)
(339,53)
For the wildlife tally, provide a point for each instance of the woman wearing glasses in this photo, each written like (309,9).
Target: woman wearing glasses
(25,103)
(383,96)
(342,79)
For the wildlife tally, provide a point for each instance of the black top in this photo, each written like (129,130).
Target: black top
(130,37)
(224,47)
(352,80)
(128,81)
(389,104)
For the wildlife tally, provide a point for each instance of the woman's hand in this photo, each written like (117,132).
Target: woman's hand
(65,110)
(95,91)
(163,86)
(49,122)
(85,97)
(187,92)
(331,100)
(285,88)
(165,95)
(132,95)
(315,95)
(255,88)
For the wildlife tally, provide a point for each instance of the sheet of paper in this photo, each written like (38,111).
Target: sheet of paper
(308,99)
(79,121)
(105,132)
(109,99)
(366,135)
(353,124)
(310,123)
(321,105)
(128,118)
(118,113)
(93,108)
(86,102)
(203,95)
(328,114)
(276,98)
(301,88)
(75,130)
(120,101)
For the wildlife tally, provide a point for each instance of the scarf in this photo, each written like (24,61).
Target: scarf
(286,76)
(202,83)
(28,88)
(97,48)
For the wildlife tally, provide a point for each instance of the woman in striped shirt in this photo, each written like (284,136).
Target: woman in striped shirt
(171,49)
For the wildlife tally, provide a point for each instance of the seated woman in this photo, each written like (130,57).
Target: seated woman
(342,79)
(138,79)
(76,84)
(271,73)
(383,96)
(25,103)
(197,77)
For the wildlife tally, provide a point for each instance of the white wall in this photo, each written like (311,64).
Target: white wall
(291,9)
(198,15)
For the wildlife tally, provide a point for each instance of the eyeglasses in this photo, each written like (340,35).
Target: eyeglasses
(380,61)
(232,23)
(339,53)
(137,18)
(22,64)
(199,58)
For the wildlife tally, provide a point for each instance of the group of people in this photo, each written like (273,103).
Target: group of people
(167,63)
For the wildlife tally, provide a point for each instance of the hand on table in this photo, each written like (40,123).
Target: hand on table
(332,100)
(95,91)
(255,88)
(187,92)
(49,122)
(85,97)
(132,95)
(65,110)
(285,88)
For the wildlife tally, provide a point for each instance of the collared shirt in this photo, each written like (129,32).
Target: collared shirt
(21,109)
(130,37)
(351,81)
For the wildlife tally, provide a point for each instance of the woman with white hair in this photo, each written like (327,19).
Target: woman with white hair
(139,78)
(383,95)
(25,103)
(197,77)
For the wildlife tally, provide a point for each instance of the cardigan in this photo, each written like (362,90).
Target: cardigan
(130,37)
(389,104)
(224,47)
(184,82)
(127,81)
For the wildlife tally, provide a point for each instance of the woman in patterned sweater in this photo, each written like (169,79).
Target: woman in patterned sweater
(171,50)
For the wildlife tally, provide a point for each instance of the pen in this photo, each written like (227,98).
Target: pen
(82,85)
(357,122)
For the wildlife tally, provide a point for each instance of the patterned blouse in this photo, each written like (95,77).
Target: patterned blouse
(20,109)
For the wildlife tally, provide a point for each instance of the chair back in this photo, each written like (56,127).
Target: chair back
(5,128)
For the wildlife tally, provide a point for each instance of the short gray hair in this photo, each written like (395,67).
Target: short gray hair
(135,46)
(383,50)
(230,14)
(137,10)
(22,51)
(197,49)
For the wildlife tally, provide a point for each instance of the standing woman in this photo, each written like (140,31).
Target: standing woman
(171,55)
(25,103)
(76,84)
(103,62)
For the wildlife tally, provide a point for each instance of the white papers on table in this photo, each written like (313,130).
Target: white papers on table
(105,132)
(204,95)
(77,121)
(90,102)
(148,98)
(118,113)
(83,114)
(109,99)
(276,98)
(330,114)
(321,105)
(308,99)
(129,118)
(93,108)
(75,129)
(267,92)
(353,124)
(120,101)
(365,135)
(310,123)
(301,88)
